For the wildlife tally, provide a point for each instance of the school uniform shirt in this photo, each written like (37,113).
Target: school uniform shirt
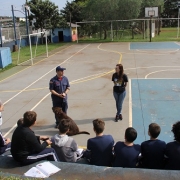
(119,84)
(152,152)
(25,143)
(100,148)
(126,156)
(172,152)
(59,85)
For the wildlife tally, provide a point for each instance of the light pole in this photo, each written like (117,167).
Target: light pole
(14,23)
(1,35)
(27,27)
(70,24)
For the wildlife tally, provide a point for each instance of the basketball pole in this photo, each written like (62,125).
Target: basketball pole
(150,28)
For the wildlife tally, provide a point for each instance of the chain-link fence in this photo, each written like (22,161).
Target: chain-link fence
(130,30)
(8,33)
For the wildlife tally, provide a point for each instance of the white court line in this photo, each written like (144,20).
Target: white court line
(30,110)
(161,71)
(46,94)
(152,78)
(130,104)
(149,51)
(177,43)
(44,75)
(152,67)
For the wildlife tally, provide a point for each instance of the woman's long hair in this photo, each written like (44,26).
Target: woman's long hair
(121,70)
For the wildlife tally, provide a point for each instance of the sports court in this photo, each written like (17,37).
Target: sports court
(153,91)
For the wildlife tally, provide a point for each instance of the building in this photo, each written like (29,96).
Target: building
(65,34)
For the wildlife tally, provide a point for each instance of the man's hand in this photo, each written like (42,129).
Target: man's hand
(49,142)
(7,141)
(1,107)
(43,138)
(63,95)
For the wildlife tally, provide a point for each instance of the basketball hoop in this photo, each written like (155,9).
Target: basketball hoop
(25,7)
(151,13)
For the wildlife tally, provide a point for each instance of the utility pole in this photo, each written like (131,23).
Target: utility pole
(27,27)
(70,25)
(178,19)
(1,35)
(15,37)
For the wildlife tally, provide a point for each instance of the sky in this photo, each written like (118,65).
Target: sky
(5,6)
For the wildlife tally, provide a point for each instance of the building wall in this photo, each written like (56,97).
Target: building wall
(66,35)
(74,34)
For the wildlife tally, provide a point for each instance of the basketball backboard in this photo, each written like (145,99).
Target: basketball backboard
(151,12)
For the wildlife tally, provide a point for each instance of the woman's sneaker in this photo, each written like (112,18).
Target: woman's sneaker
(120,117)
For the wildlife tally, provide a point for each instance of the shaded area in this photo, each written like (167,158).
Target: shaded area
(80,171)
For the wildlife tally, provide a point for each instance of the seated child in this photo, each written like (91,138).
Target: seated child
(152,151)
(26,147)
(20,122)
(65,146)
(126,153)
(5,144)
(172,151)
(99,148)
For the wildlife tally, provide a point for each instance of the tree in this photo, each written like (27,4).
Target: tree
(46,14)
(170,11)
(129,9)
(106,10)
(72,11)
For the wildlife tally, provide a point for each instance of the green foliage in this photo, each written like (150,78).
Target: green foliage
(170,9)
(129,9)
(73,11)
(46,14)
(107,10)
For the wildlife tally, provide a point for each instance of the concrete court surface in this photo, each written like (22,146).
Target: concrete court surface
(89,69)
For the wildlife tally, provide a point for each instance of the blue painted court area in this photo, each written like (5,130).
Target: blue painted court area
(154,45)
(155,100)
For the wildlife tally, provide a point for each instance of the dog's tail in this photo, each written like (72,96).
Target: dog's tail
(83,132)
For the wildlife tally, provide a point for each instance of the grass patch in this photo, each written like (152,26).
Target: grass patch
(25,53)
(166,34)
(4,176)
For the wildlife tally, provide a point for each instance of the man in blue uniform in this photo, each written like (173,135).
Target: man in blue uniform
(59,87)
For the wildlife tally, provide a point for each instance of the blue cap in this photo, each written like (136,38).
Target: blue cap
(59,68)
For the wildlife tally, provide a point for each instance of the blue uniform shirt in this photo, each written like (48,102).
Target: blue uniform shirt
(59,86)
(126,156)
(101,150)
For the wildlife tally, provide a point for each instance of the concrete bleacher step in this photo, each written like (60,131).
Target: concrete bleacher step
(74,171)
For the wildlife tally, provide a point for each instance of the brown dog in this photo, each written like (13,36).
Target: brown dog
(73,130)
